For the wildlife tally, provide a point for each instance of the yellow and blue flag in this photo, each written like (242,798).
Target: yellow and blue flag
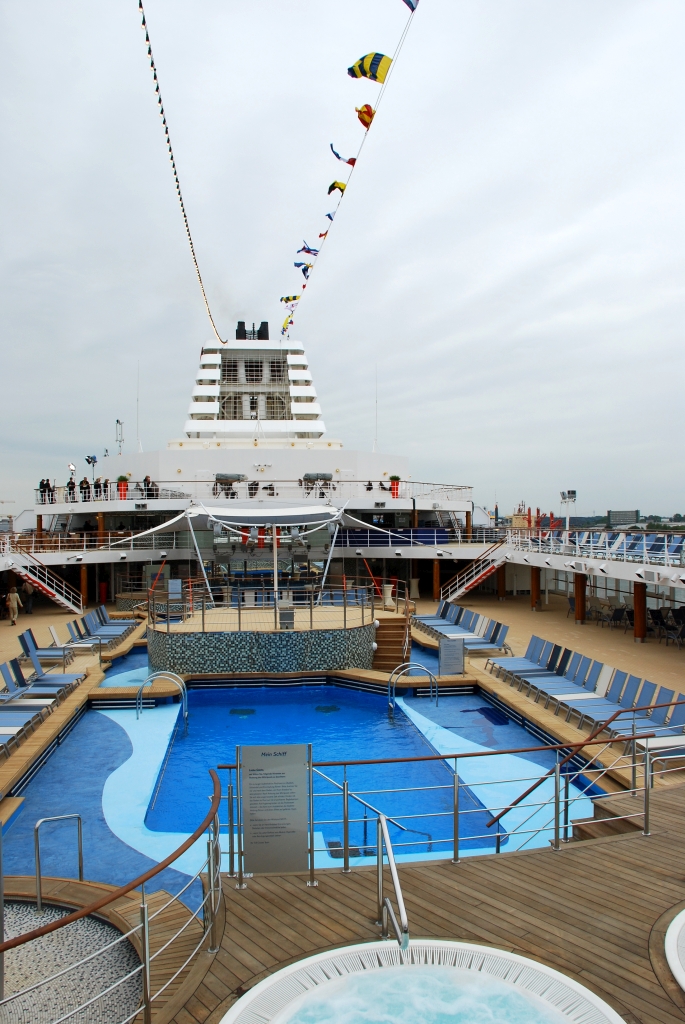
(374,66)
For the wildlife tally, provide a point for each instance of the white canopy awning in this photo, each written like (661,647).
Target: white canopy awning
(239,515)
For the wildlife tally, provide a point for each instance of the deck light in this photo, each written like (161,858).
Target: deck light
(79,558)
(162,554)
(254,534)
(440,553)
(122,557)
(526,560)
(374,647)
(358,552)
(603,568)
(399,553)
(640,575)
(548,561)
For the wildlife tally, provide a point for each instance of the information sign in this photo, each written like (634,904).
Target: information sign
(451,661)
(275,808)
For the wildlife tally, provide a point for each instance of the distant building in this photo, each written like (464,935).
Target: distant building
(623,518)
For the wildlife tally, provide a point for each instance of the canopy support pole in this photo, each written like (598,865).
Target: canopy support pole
(330,555)
(274,538)
(202,566)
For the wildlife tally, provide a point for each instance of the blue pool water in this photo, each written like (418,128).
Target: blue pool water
(340,724)
(71,782)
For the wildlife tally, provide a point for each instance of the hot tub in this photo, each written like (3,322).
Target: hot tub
(432,982)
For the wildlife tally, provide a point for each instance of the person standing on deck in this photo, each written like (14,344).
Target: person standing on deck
(14,604)
(27,592)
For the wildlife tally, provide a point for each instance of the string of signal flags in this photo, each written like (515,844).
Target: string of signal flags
(374,67)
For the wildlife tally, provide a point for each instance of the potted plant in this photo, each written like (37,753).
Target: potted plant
(395,486)
(122,487)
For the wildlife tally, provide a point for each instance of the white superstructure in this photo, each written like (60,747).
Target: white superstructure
(254,387)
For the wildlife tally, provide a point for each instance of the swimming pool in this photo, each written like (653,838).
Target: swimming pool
(348,725)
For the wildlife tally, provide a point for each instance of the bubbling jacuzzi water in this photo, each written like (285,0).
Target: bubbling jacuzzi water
(419,995)
(433,981)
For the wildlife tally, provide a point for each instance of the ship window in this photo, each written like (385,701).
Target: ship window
(275,407)
(229,372)
(253,371)
(254,406)
(277,371)
(231,408)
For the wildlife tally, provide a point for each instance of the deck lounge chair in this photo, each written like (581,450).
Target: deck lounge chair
(507,670)
(51,687)
(580,674)
(15,694)
(61,653)
(62,679)
(95,626)
(583,704)
(535,645)
(105,619)
(34,655)
(657,717)
(601,709)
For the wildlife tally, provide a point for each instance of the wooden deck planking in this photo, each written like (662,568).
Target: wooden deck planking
(588,911)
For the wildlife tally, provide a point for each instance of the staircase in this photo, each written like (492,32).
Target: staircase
(599,827)
(447,520)
(474,573)
(29,568)
(390,637)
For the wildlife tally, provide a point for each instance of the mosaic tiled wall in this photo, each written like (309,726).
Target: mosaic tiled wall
(315,650)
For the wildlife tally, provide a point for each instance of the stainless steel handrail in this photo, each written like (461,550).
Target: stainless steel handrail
(385,908)
(36,845)
(403,669)
(173,678)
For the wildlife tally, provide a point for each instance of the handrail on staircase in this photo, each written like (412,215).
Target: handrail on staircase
(470,572)
(576,750)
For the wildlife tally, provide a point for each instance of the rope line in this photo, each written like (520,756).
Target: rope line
(398,50)
(174,169)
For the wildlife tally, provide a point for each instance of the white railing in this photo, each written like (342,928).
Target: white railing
(40,575)
(665,549)
(97,495)
(422,536)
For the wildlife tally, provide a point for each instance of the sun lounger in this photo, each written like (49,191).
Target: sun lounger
(50,654)
(60,680)
(646,722)
(104,618)
(537,653)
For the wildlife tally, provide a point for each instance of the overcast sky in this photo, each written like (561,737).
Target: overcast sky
(509,254)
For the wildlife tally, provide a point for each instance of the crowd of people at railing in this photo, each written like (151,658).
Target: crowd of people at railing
(98,490)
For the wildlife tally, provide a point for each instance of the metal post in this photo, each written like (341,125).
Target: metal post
(455,813)
(240,601)
(231,839)
(204,601)
(344,605)
(498,840)
(167,614)
(311,606)
(145,949)
(310,772)
(274,538)
(215,875)
(566,805)
(648,783)
(363,601)
(633,766)
(346,827)
(373,601)
(209,904)
(557,807)
(239,815)
(379,871)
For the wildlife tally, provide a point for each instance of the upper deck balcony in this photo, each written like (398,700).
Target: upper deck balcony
(132,495)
